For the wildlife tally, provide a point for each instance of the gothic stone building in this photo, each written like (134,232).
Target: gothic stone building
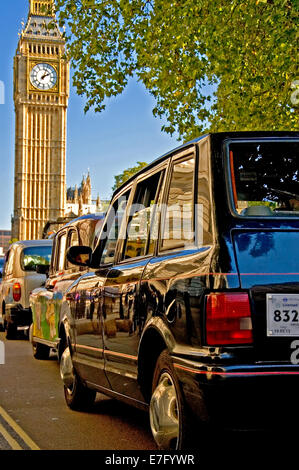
(79,200)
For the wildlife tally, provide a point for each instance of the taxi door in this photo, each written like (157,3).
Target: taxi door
(122,316)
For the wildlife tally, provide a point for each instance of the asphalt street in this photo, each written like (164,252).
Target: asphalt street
(33,413)
(34,416)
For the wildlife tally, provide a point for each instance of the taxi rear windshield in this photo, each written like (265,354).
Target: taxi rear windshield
(264,178)
(35,255)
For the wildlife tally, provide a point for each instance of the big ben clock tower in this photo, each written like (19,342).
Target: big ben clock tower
(41,91)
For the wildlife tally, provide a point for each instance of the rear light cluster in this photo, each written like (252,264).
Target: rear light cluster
(16,291)
(228,319)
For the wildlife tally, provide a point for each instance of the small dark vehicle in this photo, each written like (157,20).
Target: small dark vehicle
(191,306)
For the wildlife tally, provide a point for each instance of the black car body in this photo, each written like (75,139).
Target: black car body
(200,322)
(46,301)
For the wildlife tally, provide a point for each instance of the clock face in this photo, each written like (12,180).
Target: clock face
(43,76)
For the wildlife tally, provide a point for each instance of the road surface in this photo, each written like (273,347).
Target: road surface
(33,413)
(33,416)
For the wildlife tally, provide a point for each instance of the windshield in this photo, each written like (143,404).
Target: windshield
(35,255)
(264,178)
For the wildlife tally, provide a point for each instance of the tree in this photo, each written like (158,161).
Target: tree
(217,65)
(126,174)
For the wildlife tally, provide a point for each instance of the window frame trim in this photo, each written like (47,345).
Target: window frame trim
(57,250)
(187,154)
(70,231)
(162,167)
(9,254)
(112,202)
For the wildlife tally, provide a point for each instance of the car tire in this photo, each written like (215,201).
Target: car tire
(170,420)
(40,351)
(11,330)
(77,396)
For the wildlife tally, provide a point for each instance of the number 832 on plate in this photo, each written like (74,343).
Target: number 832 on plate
(282,315)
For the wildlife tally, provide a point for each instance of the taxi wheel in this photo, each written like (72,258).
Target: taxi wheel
(11,330)
(77,396)
(40,351)
(169,420)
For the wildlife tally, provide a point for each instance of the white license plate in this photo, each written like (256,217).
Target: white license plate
(282,314)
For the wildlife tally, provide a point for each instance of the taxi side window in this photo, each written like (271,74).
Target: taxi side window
(8,263)
(203,213)
(112,227)
(61,252)
(178,225)
(72,240)
(141,216)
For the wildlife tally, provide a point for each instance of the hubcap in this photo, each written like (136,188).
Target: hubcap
(66,369)
(164,415)
(31,334)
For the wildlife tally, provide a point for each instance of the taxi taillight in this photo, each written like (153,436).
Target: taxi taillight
(228,319)
(16,291)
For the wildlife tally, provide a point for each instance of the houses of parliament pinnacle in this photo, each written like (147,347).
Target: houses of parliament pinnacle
(41,94)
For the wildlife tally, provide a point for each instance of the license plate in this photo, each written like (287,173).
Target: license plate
(282,314)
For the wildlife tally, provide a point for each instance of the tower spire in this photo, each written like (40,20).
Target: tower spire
(42,7)
(41,90)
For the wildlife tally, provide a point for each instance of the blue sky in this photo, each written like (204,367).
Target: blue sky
(105,143)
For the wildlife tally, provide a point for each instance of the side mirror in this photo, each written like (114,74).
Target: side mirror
(79,255)
(42,269)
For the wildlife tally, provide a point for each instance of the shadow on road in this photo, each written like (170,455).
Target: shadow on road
(225,440)
(117,409)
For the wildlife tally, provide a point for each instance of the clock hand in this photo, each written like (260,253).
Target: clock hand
(45,75)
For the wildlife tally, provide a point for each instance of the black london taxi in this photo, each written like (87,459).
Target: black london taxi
(190,308)
(46,301)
